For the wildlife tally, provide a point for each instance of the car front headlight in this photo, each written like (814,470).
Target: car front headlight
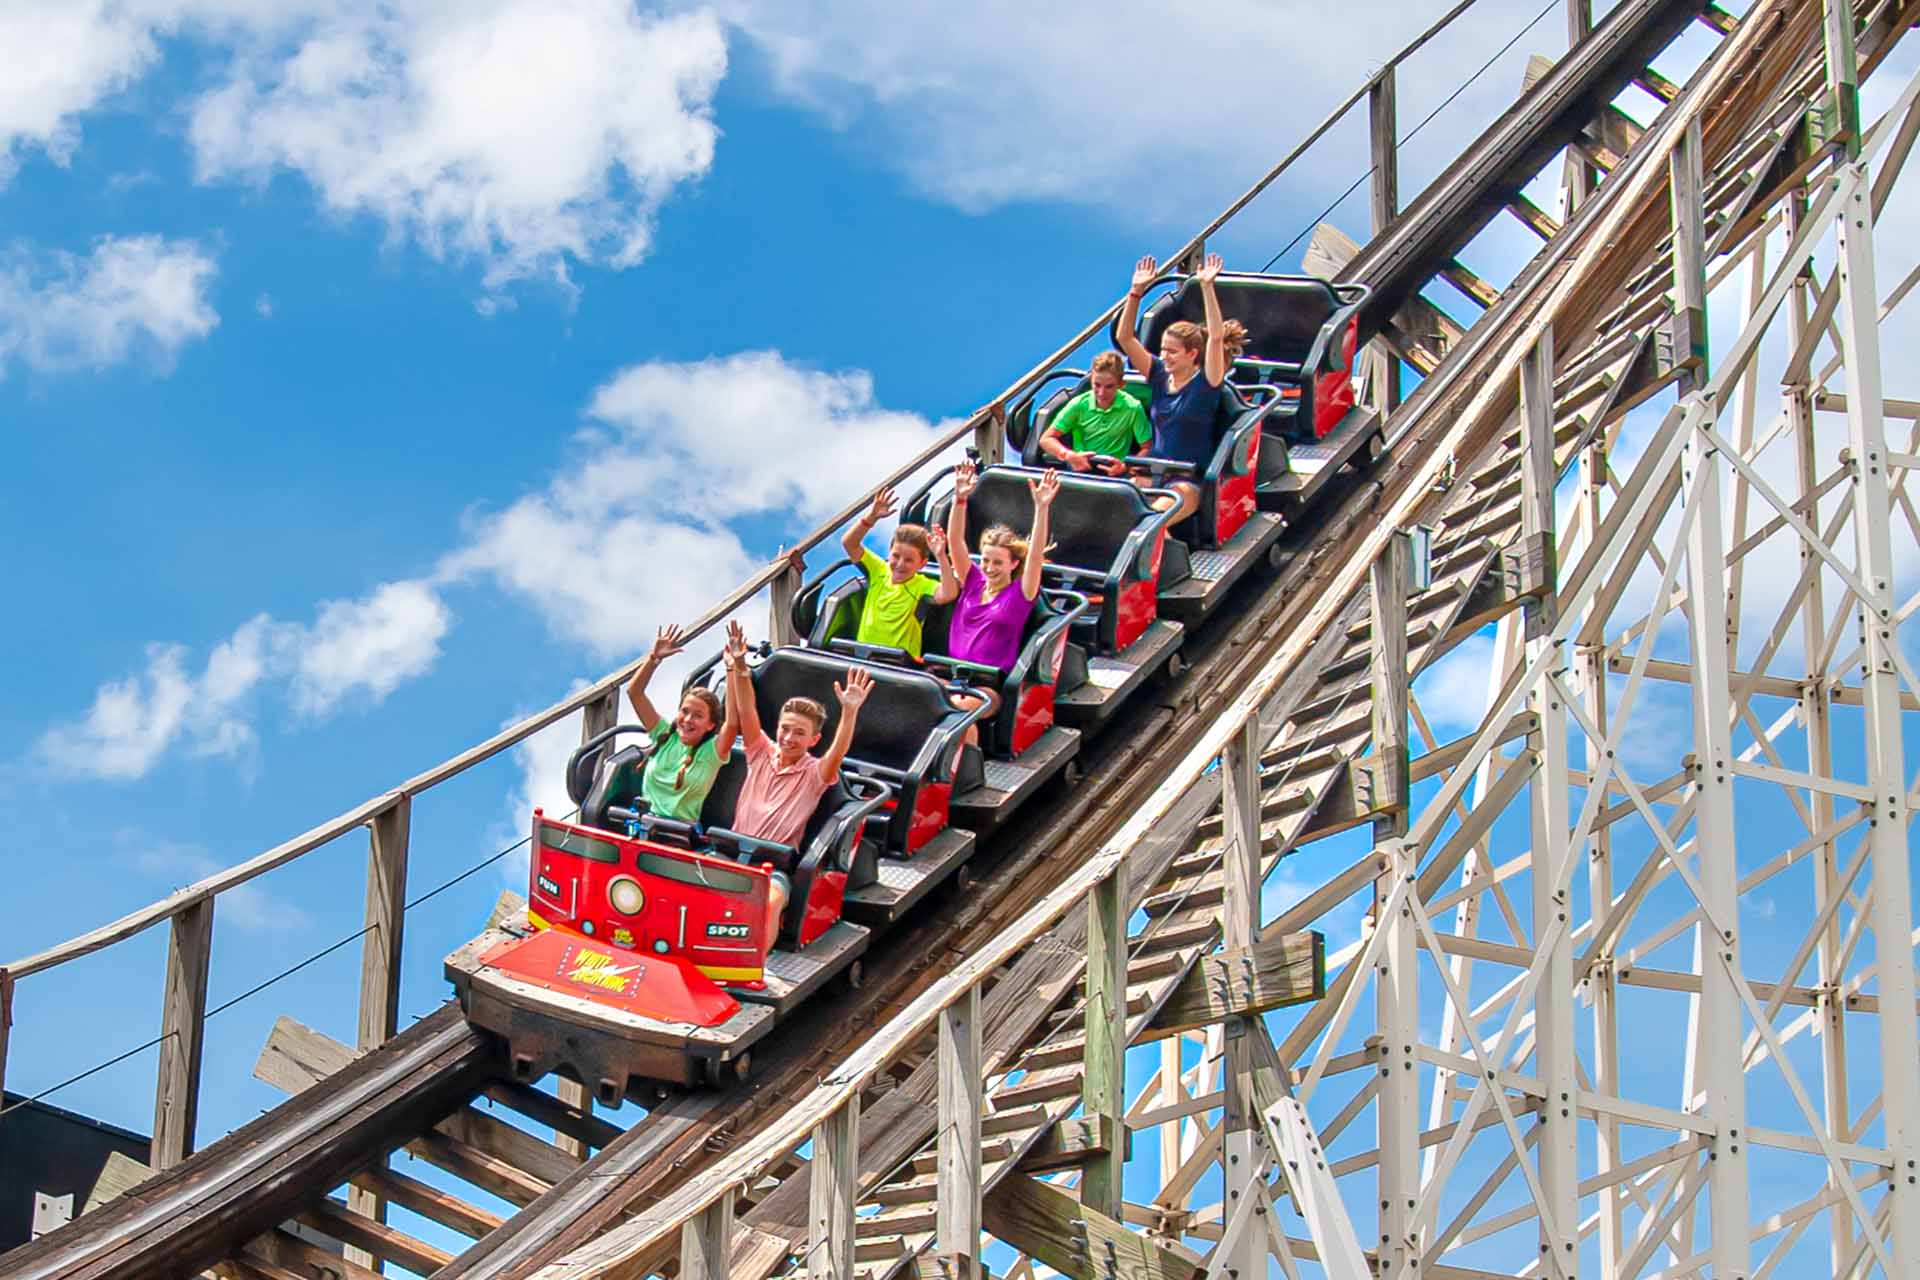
(625,895)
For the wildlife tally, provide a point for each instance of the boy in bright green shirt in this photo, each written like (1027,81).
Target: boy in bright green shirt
(895,586)
(1104,420)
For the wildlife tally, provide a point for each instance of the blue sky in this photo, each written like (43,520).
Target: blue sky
(371,374)
(365,389)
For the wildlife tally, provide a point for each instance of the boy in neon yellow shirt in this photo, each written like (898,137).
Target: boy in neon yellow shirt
(895,586)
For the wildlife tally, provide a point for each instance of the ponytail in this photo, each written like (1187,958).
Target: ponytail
(1233,338)
(711,701)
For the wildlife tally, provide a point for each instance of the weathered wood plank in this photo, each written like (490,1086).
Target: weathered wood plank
(961,1104)
(203,1210)
(183,1016)
(331,1217)
(833,1191)
(1044,1221)
(119,1175)
(429,1202)
(1277,971)
(1072,1143)
(1104,1087)
(706,1241)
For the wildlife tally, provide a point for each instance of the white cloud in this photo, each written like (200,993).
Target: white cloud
(673,493)
(131,722)
(134,293)
(81,51)
(372,645)
(984,105)
(522,133)
(248,907)
(637,533)
(366,646)
(1453,692)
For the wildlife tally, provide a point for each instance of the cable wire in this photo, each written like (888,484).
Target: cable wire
(258,987)
(1415,131)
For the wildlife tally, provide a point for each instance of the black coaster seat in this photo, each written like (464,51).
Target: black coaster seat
(1301,336)
(1108,543)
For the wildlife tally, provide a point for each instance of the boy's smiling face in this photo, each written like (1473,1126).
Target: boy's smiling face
(903,561)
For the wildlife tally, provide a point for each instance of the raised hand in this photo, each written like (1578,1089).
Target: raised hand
(1145,272)
(965,476)
(854,692)
(1045,489)
(884,505)
(938,538)
(736,649)
(667,641)
(1210,269)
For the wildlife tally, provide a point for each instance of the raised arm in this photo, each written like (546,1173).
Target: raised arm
(854,539)
(949,583)
(1144,273)
(964,478)
(666,643)
(730,720)
(852,695)
(742,713)
(1216,368)
(1044,490)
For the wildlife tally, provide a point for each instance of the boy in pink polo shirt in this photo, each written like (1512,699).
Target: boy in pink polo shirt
(784,781)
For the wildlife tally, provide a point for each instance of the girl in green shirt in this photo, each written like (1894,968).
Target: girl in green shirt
(687,750)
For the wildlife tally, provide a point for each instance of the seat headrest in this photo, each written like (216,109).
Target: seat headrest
(1091,518)
(1283,314)
(899,715)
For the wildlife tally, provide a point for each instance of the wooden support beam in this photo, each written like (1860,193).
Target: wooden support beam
(374,1239)
(283,1252)
(1277,971)
(1384,135)
(962,1103)
(1080,1242)
(429,1202)
(990,436)
(780,594)
(1103,1090)
(832,1194)
(183,1015)
(388,837)
(756,1254)
(1071,1143)
(6,1026)
(1388,589)
(1240,1146)
(1532,216)
(706,1241)
(1686,335)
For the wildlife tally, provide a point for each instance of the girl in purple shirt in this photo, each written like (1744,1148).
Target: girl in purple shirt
(991,612)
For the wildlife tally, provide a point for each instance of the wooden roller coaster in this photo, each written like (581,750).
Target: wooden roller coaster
(978,1080)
